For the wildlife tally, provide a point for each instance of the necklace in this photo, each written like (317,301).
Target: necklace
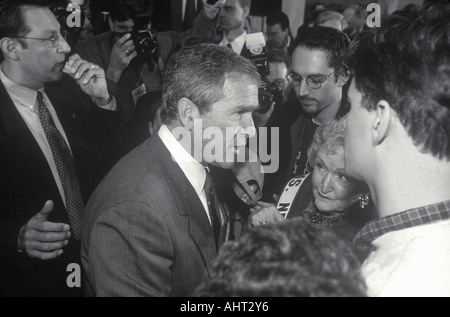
(319,221)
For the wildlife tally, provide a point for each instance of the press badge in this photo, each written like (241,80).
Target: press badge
(139,92)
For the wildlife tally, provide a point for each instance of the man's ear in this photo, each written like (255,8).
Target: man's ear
(9,48)
(383,121)
(187,113)
(344,76)
(246,12)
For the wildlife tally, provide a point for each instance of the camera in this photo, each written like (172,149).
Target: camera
(145,42)
(143,37)
(268,92)
(257,52)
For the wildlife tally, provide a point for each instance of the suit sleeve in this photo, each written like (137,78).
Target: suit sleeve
(130,253)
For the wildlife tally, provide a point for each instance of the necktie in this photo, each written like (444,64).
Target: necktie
(189,15)
(65,167)
(212,206)
(230,46)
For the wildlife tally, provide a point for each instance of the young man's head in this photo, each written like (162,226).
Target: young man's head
(400,94)
(122,17)
(33,52)
(234,14)
(285,259)
(277,30)
(214,86)
(318,73)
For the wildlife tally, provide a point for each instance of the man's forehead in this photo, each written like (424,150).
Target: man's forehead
(239,82)
(233,3)
(274,27)
(243,92)
(311,61)
(40,19)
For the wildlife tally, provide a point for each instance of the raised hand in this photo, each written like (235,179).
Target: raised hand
(90,77)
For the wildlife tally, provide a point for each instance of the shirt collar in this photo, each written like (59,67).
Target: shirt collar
(237,43)
(25,96)
(194,171)
(403,220)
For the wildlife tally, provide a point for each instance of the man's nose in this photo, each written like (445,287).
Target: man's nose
(304,89)
(248,125)
(62,46)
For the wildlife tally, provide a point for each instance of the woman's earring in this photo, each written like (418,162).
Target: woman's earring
(364,200)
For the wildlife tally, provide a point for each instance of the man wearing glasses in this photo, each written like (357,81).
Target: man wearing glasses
(58,125)
(318,78)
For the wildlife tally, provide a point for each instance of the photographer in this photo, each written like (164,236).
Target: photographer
(133,55)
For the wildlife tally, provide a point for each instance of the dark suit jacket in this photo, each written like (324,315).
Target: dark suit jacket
(176,12)
(146,232)
(26,183)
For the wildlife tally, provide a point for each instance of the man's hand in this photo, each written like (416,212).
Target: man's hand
(122,54)
(90,77)
(42,239)
(264,213)
(212,10)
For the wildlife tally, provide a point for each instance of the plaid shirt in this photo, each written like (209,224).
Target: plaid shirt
(407,219)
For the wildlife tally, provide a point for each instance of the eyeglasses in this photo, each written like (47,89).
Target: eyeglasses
(53,39)
(313,81)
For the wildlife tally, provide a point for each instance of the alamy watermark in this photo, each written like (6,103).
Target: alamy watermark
(234,145)
(374,15)
(74,18)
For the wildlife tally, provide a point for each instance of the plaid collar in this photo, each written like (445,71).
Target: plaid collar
(407,219)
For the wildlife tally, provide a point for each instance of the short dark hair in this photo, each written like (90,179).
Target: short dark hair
(278,17)
(407,63)
(120,10)
(329,40)
(286,259)
(198,73)
(12,20)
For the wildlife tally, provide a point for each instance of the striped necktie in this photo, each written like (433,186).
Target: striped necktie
(66,169)
(213,206)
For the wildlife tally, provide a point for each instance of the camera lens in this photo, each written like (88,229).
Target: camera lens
(147,46)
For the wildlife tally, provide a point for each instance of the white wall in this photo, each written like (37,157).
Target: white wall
(295,10)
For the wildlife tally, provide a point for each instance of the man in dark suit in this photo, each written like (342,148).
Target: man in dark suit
(154,224)
(50,153)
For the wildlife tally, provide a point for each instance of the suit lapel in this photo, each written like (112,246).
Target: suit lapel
(189,205)
(25,153)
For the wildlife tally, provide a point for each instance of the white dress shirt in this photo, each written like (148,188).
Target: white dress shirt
(237,44)
(192,169)
(25,100)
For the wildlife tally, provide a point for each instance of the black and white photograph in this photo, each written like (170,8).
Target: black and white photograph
(225,155)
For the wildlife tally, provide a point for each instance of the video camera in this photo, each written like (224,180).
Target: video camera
(268,92)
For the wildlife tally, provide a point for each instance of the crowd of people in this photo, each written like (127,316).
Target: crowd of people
(126,148)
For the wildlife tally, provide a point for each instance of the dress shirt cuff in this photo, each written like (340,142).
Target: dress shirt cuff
(111,105)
